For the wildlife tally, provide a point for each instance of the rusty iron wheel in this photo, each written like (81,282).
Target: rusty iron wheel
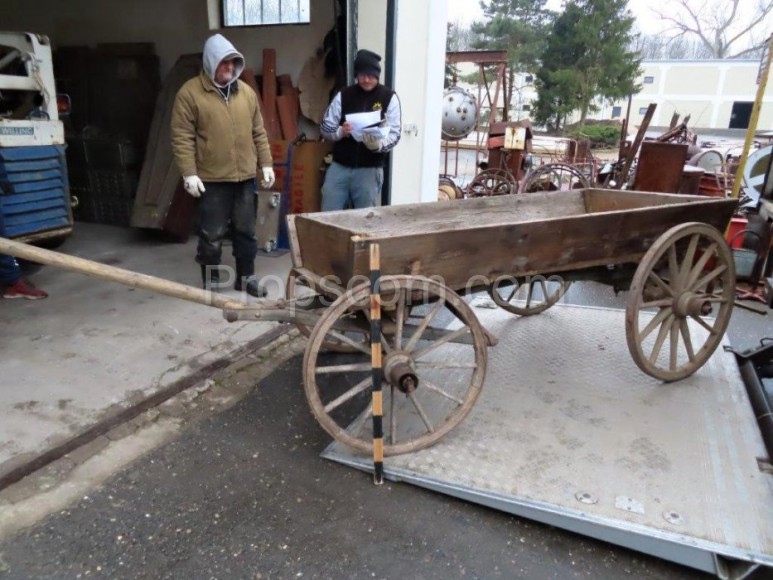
(686,276)
(555,177)
(492,182)
(432,376)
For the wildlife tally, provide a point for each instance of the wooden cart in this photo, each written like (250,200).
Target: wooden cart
(525,251)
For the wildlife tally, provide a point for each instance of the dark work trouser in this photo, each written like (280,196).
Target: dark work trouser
(224,205)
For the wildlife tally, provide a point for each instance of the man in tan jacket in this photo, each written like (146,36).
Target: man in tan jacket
(219,142)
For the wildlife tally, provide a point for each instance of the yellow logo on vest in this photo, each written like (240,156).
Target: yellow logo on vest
(377,106)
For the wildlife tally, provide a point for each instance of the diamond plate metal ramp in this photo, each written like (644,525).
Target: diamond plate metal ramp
(569,432)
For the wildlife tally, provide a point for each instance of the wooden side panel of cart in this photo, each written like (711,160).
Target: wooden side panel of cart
(508,235)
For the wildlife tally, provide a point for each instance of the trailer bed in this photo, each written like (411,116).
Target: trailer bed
(591,445)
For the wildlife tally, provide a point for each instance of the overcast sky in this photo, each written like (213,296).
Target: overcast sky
(466,11)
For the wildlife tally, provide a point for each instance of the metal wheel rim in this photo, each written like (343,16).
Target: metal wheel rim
(681,282)
(391,285)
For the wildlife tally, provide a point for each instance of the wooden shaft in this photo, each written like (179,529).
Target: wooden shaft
(113,274)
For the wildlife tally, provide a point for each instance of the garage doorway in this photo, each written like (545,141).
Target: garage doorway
(740,115)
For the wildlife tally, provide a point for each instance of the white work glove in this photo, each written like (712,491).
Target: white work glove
(193,185)
(268,177)
(372,142)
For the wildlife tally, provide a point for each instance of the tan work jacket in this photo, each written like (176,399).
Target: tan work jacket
(215,138)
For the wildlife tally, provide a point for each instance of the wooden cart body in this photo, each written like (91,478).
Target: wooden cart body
(497,236)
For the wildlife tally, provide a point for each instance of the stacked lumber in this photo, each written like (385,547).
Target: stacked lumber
(279,99)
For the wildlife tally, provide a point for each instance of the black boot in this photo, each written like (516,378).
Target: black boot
(246,280)
(210,277)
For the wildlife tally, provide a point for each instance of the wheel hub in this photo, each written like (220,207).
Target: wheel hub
(691,304)
(399,372)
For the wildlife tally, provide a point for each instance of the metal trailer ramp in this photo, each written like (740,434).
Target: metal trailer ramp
(569,432)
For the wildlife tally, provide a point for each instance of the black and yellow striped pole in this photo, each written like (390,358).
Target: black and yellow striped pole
(375,358)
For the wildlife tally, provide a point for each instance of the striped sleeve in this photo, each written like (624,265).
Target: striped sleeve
(394,122)
(331,120)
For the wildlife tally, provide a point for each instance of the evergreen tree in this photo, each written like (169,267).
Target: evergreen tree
(586,56)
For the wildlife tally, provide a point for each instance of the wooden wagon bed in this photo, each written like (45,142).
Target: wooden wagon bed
(494,236)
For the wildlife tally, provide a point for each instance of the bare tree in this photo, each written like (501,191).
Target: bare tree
(720,26)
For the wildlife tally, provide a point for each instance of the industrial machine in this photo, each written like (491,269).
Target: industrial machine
(35,201)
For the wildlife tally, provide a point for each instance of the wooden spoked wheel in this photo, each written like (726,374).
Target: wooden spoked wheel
(681,300)
(300,294)
(527,296)
(433,374)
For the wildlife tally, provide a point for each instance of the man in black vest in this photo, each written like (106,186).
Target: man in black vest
(357,173)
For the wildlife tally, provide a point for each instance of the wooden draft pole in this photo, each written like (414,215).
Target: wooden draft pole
(127,277)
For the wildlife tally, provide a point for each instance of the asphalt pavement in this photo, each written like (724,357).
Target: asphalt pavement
(244,494)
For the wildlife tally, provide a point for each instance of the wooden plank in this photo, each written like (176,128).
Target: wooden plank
(159,177)
(270,117)
(287,121)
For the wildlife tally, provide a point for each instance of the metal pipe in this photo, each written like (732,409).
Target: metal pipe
(759,401)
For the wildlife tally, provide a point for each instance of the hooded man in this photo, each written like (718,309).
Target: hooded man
(355,177)
(219,141)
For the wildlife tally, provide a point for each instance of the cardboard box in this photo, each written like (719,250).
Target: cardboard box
(306,175)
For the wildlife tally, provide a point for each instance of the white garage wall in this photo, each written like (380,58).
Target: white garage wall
(419,67)
(175,26)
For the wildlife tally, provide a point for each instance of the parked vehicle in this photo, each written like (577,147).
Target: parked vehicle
(35,204)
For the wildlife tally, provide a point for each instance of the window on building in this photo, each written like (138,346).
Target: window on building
(649,80)
(528,79)
(642,110)
(616,112)
(264,12)
(526,108)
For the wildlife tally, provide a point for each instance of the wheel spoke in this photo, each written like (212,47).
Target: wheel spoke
(422,326)
(420,411)
(656,320)
(662,334)
(674,344)
(513,293)
(353,392)
(400,319)
(384,345)
(703,323)
(529,295)
(444,365)
(711,276)
(661,284)
(685,329)
(673,267)
(392,416)
(362,420)
(699,266)
(658,303)
(441,341)
(344,368)
(345,339)
(689,256)
(435,389)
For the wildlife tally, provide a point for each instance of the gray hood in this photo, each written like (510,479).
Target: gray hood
(216,49)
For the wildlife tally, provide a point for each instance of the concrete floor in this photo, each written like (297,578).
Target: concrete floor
(95,348)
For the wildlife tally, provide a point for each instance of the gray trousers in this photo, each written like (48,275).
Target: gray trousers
(350,187)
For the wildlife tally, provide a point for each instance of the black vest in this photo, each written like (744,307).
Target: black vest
(347,151)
